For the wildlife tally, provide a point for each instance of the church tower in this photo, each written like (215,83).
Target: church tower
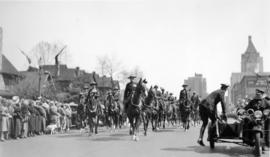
(251,61)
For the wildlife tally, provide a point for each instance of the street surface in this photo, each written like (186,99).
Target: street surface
(170,142)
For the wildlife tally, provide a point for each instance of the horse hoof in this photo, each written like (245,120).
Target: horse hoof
(137,138)
(133,137)
(145,134)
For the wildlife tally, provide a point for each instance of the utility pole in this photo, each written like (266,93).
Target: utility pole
(39,81)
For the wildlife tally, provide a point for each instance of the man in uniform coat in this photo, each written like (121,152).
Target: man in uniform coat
(183,101)
(130,88)
(93,91)
(183,97)
(208,109)
(116,96)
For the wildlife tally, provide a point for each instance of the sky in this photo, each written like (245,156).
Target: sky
(169,40)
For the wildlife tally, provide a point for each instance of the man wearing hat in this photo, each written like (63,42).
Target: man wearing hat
(93,91)
(130,88)
(183,97)
(258,102)
(208,109)
(184,106)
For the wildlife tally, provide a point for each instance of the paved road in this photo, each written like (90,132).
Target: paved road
(169,142)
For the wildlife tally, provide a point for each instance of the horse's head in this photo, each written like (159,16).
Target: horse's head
(141,87)
(139,91)
(151,93)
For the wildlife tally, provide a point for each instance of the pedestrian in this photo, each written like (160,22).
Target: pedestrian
(10,119)
(17,118)
(208,110)
(25,118)
(3,120)
(32,118)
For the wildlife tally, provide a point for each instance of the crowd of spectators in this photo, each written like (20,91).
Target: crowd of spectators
(22,118)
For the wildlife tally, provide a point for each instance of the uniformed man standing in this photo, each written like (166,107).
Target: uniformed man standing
(208,109)
(130,88)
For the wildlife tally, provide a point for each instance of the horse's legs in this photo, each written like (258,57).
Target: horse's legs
(144,122)
(96,126)
(130,119)
(90,123)
(164,119)
(137,125)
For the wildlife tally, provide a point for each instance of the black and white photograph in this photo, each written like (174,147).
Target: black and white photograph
(134,78)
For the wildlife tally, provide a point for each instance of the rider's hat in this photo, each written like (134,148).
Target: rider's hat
(93,83)
(184,85)
(132,77)
(259,91)
(224,85)
(145,81)
(85,87)
(155,86)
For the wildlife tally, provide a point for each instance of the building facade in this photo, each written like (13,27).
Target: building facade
(197,83)
(251,77)
(247,86)
(9,76)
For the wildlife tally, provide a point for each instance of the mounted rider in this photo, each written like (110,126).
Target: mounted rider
(183,99)
(158,95)
(129,90)
(93,91)
(116,96)
(195,100)
(171,98)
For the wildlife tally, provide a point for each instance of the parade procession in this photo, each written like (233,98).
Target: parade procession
(134,78)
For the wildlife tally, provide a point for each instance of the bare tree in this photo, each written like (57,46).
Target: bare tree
(108,65)
(103,65)
(124,74)
(44,52)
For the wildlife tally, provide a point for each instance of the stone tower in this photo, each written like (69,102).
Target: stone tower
(2,83)
(251,61)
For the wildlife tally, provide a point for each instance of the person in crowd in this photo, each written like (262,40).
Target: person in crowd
(17,118)
(10,119)
(42,117)
(32,118)
(3,120)
(25,118)
(61,111)
(68,113)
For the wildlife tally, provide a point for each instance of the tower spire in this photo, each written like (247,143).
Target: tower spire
(251,48)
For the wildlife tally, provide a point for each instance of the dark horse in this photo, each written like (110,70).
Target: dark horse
(113,112)
(81,116)
(93,112)
(171,113)
(134,109)
(185,117)
(148,111)
(161,112)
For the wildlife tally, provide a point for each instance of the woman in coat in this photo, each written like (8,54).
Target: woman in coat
(3,120)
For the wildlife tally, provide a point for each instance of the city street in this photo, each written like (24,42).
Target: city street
(170,142)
